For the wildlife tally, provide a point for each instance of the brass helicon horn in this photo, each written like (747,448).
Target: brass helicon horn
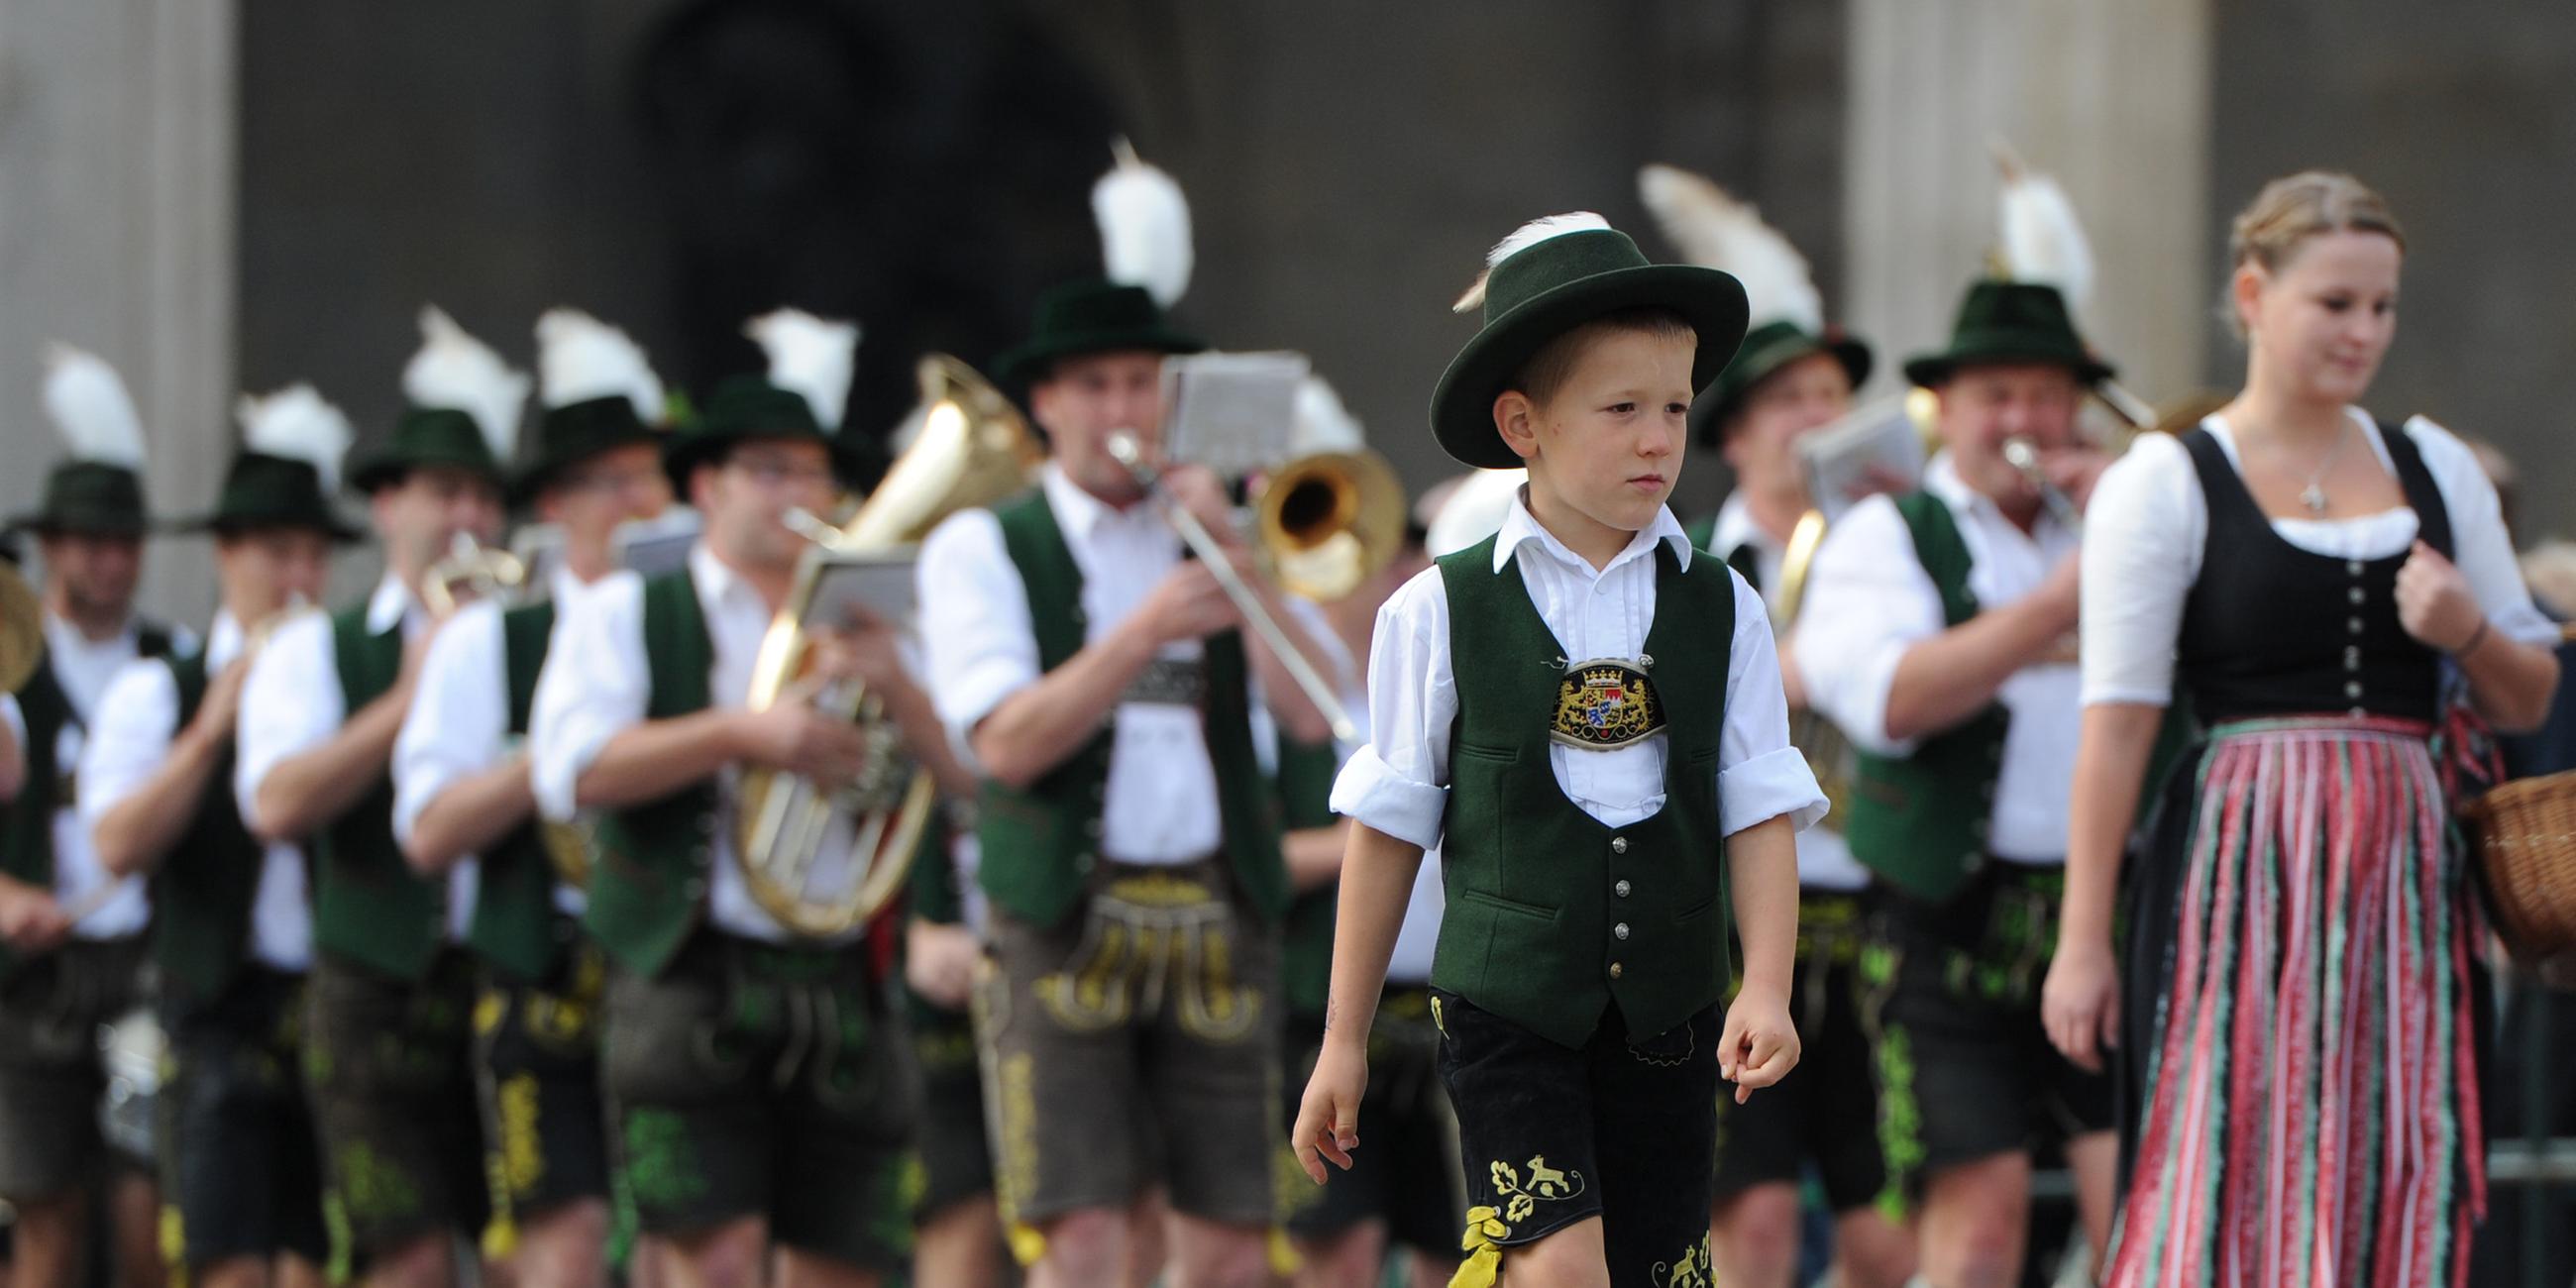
(971,449)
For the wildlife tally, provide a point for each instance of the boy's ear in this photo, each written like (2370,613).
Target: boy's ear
(1516,419)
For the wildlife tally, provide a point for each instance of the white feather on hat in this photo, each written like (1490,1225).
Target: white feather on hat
(2043,238)
(89,405)
(1521,239)
(1712,229)
(297,424)
(454,370)
(809,357)
(1144,227)
(580,358)
(1323,424)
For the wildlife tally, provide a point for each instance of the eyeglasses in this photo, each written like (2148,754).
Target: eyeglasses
(611,481)
(771,471)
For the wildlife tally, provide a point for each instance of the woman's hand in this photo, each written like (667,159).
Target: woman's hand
(2080,1003)
(2434,602)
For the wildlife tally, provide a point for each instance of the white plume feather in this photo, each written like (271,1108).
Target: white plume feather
(455,370)
(297,424)
(1712,229)
(809,357)
(89,405)
(580,358)
(1144,227)
(1323,424)
(1522,238)
(2043,238)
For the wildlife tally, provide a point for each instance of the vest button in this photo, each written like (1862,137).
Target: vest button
(1091,828)
(2352,689)
(2352,624)
(1616,969)
(1618,845)
(2352,566)
(2354,594)
(1082,863)
(1620,889)
(1620,931)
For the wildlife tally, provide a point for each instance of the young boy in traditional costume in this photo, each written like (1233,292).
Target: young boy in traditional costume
(1603,767)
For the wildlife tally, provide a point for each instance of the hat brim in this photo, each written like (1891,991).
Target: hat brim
(1933,369)
(75,525)
(391,468)
(224,525)
(687,451)
(1462,406)
(1708,415)
(1030,362)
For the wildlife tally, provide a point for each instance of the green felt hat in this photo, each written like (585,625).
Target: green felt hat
(265,491)
(88,498)
(2010,322)
(1092,316)
(1551,286)
(424,437)
(1769,349)
(576,432)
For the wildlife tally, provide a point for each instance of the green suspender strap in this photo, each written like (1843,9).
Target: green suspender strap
(203,891)
(651,878)
(514,923)
(369,907)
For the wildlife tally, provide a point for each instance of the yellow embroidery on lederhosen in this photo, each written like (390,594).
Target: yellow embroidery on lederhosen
(1488,1227)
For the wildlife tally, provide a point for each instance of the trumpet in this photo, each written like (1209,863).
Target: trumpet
(1130,453)
(471,571)
(2022,455)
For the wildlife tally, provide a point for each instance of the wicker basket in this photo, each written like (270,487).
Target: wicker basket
(2524,835)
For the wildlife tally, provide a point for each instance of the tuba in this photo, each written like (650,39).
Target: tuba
(22,630)
(969,448)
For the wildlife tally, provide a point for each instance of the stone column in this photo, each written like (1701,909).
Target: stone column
(117,130)
(2110,96)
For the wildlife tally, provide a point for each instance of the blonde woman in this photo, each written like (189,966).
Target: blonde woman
(2294,1009)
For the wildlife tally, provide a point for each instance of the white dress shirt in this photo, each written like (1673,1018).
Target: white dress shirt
(85,669)
(459,721)
(1160,805)
(1825,859)
(129,742)
(1868,601)
(598,682)
(2149,522)
(1399,783)
(292,703)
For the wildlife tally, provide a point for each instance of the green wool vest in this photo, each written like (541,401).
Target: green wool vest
(513,927)
(1552,916)
(203,892)
(650,881)
(27,823)
(1919,821)
(1040,842)
(369,907)
(1304,784)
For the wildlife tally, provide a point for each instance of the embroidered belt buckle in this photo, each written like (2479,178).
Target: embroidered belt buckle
(1606,703)
(1169,681)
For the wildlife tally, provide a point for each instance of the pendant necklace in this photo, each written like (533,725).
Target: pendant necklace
(2313,495)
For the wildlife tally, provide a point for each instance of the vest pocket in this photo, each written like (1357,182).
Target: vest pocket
(1695,911)
(1494,755)
(1513,906)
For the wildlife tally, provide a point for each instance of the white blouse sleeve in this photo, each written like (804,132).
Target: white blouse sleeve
(2480,546)
(2143,532)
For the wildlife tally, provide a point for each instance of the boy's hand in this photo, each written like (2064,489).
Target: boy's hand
(1328,1118)
(1760,1045)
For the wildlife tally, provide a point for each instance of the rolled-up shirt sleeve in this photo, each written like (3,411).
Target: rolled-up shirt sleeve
(595,685)
(459,719)
(291,702)
(130,737)
(1399,783)
(1759,775)
(975,620)
(1867,601)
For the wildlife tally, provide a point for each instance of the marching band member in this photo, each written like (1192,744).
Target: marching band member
(1934,634)
(1129,1020)
(757,1087)
(1793,377)
(1588,720)
(231,936)
(462,794)
(386,1036)
(71,933)
(2301,1001)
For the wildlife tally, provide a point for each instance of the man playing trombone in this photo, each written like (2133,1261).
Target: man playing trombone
(462,795)
(758,1089)
(387,1003)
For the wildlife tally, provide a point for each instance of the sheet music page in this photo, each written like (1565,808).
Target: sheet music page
(1231,412)
(1873,449)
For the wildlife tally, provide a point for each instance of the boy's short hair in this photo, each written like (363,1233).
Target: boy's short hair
(1548,369)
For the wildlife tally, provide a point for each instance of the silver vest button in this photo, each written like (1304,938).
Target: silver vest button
(1618,845)
(1620,889)
(1620,931)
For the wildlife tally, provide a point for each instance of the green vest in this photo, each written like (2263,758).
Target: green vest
(513,927)
(204,890)
(933,883)
(1040,841)
(1304,783)
(1553,916)
(650,881)
(1743,558)
(369,907)
(27,823)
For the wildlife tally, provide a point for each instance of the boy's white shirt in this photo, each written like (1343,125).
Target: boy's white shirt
(1399,783)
